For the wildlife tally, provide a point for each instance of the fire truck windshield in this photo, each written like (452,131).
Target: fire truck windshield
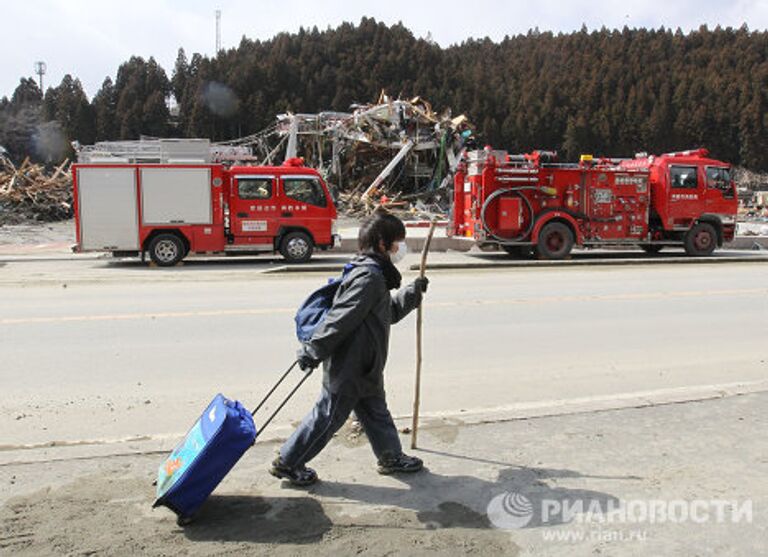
(720,178)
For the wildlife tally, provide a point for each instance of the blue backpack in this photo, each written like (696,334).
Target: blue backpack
(314,309)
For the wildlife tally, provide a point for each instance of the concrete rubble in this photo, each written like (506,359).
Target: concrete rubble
(397,153)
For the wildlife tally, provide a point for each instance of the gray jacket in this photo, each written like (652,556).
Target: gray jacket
(353,339)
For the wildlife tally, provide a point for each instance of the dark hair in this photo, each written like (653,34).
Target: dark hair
(381,226)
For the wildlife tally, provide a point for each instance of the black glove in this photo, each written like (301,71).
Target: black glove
(421,283)
(306,362)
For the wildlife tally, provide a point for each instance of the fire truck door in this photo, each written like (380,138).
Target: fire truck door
(686,200)
(254,211)
(305,204)
(718,189)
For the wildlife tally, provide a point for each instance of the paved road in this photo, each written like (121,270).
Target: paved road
(103,351)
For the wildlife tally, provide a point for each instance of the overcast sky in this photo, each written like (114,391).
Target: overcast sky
(90,39)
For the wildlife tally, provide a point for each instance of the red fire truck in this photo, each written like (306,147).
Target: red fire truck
(525,202)
(172,210)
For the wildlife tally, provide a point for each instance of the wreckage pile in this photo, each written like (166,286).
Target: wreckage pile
(397,153)
(30,192)
(749,180)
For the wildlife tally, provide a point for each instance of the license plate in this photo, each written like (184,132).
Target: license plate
(254,226)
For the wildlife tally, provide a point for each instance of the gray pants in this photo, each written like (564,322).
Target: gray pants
(329,414)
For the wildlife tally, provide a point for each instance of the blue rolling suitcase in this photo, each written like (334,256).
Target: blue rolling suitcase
(210,449)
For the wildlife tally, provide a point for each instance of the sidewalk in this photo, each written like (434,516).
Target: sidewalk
(567,472)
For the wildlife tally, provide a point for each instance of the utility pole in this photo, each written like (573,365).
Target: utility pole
(218,31)
(40,69)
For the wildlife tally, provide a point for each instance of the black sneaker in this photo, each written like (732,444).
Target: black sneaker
(400,463)
(299,476)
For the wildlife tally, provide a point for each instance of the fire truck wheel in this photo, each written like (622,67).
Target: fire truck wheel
(555,241)
(701,239)
(166,250)
(296,247)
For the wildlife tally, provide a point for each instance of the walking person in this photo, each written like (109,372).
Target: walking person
(352,344)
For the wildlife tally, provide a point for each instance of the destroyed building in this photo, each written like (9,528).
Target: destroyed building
(397,153)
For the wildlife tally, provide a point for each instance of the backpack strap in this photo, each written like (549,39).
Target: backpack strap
(345,271)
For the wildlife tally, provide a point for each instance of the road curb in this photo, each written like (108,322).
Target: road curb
(601,403)
(349,246)
(480,264)
(44,258)
(164,443)
(590,263)
(307,268)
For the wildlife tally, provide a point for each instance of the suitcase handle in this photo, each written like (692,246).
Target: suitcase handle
(272,390)
(285,400)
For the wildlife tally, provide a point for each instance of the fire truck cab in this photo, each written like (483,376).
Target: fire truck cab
(693,200)
(172,210)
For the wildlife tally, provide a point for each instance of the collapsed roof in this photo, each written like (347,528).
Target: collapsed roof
(399,149)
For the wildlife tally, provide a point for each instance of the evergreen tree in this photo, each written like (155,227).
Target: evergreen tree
(105,110)
(26,94)
(19,119)
(68,105)
(141,89)
(609,91)
(180,76)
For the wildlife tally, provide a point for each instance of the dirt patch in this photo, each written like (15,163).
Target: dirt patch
(445,429)
(351,434)
(454,515)
(113,516)
(89,516)
(399,541)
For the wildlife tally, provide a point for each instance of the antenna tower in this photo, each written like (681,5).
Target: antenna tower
(40,69)
(218,31)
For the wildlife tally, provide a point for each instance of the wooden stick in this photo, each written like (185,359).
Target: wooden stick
(419,317)
(58,171)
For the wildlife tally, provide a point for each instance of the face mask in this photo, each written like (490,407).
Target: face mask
(402,251)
